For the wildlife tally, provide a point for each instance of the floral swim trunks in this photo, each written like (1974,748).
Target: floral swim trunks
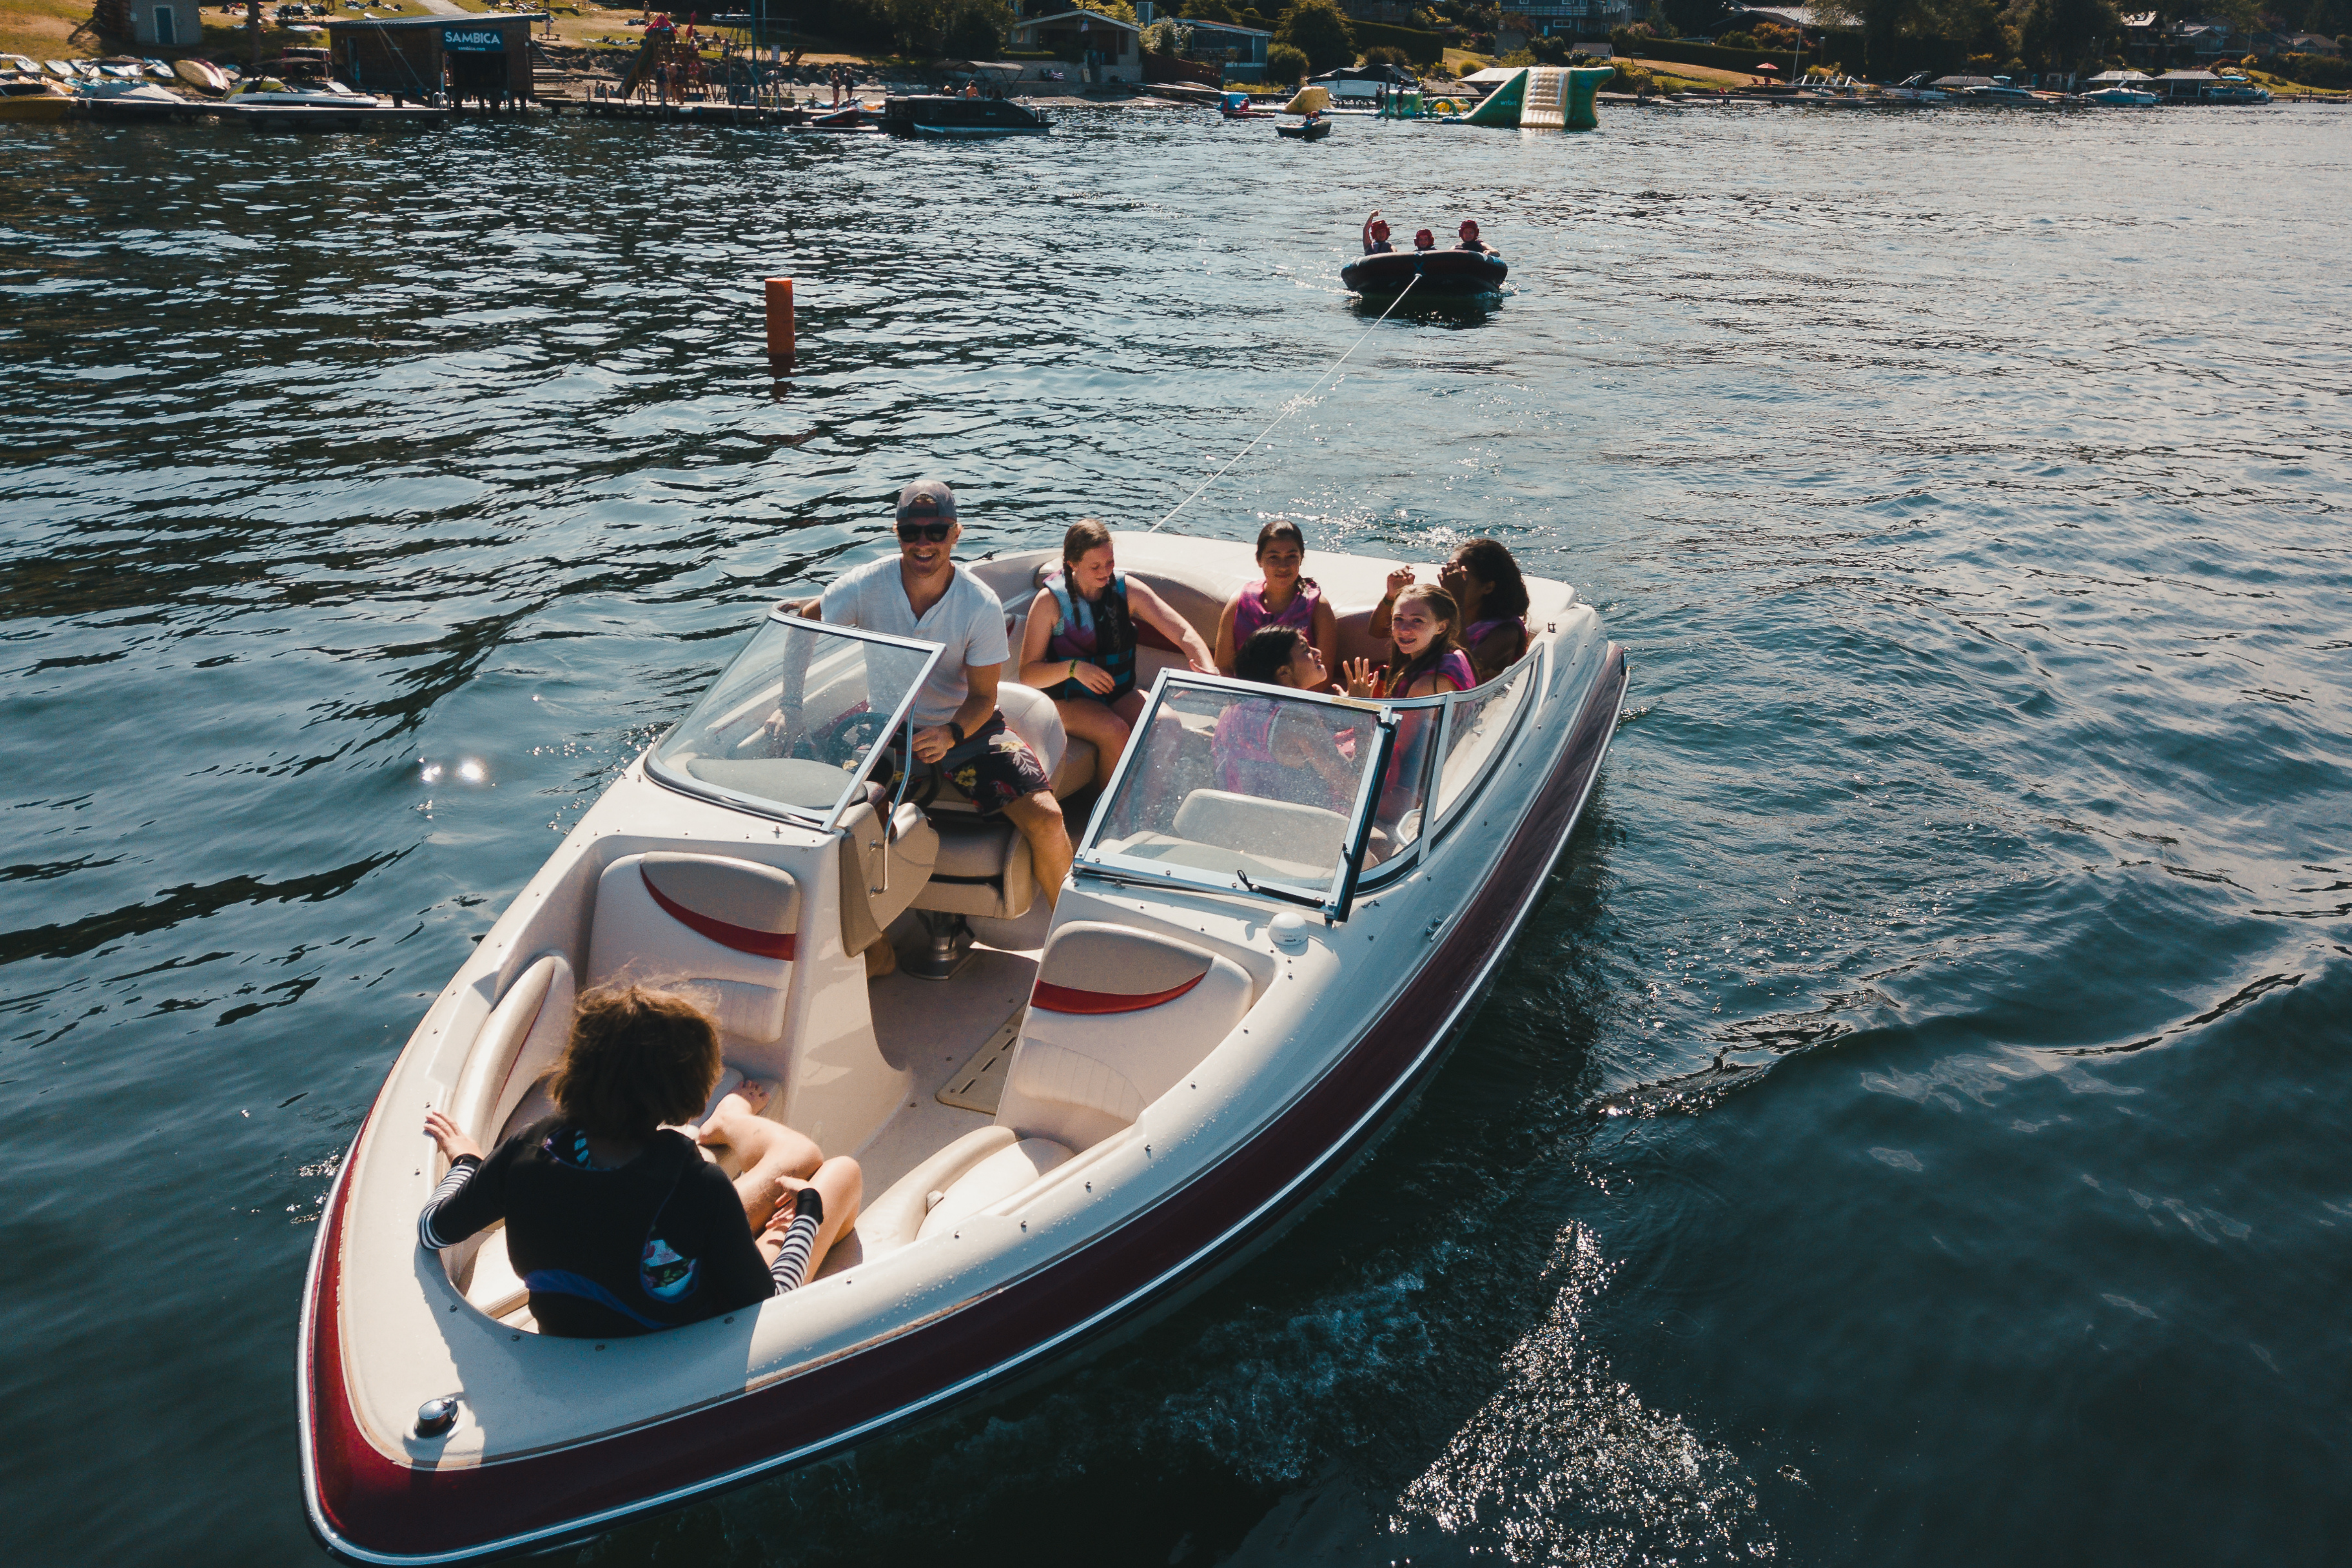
(995,767)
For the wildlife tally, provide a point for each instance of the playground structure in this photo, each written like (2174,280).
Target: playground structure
(669,66)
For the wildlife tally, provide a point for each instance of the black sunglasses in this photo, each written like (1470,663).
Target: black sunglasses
(928,532)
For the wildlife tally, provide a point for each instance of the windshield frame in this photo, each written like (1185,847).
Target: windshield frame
(1338,898)
(853,779)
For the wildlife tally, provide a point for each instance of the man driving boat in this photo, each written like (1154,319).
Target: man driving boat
(924,593)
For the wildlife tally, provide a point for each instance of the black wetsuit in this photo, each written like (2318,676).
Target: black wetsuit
(658,1243)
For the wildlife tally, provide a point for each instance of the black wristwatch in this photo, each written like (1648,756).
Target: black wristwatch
(956,731)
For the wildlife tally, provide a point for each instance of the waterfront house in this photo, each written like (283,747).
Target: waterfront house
(1747,18)
(1241,50)
(2307,44)
(1576,18)
(1107,48)
(168,24)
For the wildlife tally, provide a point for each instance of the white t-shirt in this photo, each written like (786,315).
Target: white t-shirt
(968,621)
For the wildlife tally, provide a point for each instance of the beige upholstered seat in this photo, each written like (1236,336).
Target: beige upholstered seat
(518,1042)
(726,928)
(983,868)
(1118,1019)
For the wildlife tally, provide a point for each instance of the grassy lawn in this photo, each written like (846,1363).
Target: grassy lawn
(2281,87)
(1694,78)
(40,27)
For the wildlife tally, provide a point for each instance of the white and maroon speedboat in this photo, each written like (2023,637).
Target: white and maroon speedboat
(1064,1122)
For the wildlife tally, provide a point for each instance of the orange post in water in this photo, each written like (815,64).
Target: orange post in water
(780,320)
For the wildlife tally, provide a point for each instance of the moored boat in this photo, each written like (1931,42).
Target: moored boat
(26,100)
(319,103)
(945,117)
(1913,88)
(1089,1115)
(131,103)
(1310,131)
(1453,273)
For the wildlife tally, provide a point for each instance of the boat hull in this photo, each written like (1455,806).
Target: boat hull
(1315,132)
(944,118)
(367,1506)
(306,117)
(1451,273)
(31,110)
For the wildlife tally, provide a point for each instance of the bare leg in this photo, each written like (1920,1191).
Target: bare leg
(769,1153)
(842,1186)
(1088,720)
(1039,818)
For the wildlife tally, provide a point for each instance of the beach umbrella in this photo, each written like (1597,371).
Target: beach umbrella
(1767,66)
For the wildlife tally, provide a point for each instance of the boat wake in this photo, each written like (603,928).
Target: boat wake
(1564,1463)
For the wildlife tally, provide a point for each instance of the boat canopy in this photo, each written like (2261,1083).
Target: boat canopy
(1288,796)
(795,724)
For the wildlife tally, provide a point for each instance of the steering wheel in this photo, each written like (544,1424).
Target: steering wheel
(850,737)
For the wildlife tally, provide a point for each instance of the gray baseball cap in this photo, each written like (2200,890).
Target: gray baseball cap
(927,498)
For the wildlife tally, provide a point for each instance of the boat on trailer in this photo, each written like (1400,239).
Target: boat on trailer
(1067,1121)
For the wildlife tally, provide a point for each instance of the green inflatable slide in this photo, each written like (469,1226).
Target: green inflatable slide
(1556,98)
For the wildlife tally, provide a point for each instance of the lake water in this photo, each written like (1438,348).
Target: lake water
(1913,1129)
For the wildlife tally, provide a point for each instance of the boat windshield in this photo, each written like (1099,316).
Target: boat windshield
(1246,788)
(796,724)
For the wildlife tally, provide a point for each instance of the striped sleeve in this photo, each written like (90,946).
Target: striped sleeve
(791,1266)
(461,1171)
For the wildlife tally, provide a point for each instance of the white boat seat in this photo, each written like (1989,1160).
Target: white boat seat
(1272,829)
(881,873)
(726,928)
(518,1043)
(983,868)
(1118,1019)
(980,1168)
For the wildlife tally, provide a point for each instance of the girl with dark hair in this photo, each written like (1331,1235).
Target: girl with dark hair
(618,1225)
(1268,749)
(1078,648)
(1280,597)
(1486,583)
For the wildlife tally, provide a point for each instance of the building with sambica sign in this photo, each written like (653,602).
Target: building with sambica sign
(471,57)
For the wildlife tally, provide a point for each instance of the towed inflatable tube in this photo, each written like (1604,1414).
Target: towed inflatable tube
(1451,274)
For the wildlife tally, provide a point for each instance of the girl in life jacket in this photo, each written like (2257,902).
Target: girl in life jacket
(1422,662)
(1078,646)
(1280,597)
(1486,583)
(1281,751)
